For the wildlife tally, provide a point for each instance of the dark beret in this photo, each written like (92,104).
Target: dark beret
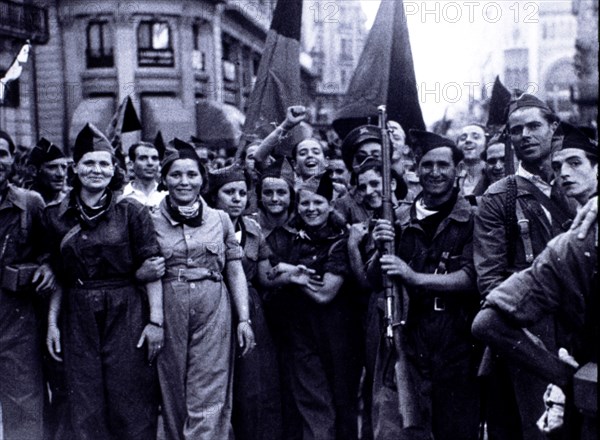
(575,138)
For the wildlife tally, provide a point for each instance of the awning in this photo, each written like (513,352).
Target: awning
(98,111)
(219,125)
(166,114)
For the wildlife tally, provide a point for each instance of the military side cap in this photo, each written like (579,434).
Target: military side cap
(356,138)
(280,169)
(180,150)
(43,152)
(222,176)
(321,185)
(426,140)
(90,139)
(527,100)
(575,138)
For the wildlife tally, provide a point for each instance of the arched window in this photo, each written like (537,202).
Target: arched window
(155,46)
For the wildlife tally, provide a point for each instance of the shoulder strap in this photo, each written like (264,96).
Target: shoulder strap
(510,217)
(523,224)
(450,244)
(559,215)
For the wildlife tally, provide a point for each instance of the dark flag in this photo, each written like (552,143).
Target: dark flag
(124,120)
(498,105)
(384,75)
(278,79)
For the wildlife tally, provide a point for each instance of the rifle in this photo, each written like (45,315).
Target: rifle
(396,304)
(509,154)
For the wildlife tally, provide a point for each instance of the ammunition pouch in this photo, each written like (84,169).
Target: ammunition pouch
(18,277)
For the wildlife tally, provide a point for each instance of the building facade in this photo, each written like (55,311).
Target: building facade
(174,58)
(585,90)
(334,35)
(177,59)
(532,48)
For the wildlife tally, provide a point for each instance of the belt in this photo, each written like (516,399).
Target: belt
(438,303)
(186,274)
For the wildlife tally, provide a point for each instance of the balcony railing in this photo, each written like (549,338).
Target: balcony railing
(24,21)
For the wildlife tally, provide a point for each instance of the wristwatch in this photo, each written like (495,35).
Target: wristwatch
(245,320)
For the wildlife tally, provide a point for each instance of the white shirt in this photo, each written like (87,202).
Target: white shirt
(540,183)
(151,200)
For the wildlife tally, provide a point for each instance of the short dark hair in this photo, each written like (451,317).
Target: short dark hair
(134,147)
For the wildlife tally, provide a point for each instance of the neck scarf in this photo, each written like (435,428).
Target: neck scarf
(188,215)
(91,215)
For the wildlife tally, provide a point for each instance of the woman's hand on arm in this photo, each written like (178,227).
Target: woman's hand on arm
(44,279)
(153,333)
(151,269)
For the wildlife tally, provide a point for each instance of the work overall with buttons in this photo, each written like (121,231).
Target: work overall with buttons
(195,365)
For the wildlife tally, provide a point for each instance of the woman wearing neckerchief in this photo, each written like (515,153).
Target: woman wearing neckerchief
(256,395)
(322,326)
(97,244)
(204,275)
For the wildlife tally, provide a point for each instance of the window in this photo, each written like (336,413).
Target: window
(99,50)
(155,47)
(345,49)
(229,65)
(200,46)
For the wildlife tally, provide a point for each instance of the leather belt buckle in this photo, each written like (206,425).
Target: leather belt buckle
(180,276)
(438,304)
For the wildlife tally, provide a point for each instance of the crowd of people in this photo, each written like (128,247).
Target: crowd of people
(245,297)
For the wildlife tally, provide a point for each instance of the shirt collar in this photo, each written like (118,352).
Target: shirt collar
(534,178)
(14,197)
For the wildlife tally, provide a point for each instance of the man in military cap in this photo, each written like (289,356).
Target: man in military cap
(50,171)
(562,281)
(576,165)
(517,217)
(433,262)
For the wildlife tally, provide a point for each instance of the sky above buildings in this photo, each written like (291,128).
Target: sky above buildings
(450,42)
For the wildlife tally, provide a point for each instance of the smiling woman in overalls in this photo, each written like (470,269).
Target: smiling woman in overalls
(97,244)
(203,274)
